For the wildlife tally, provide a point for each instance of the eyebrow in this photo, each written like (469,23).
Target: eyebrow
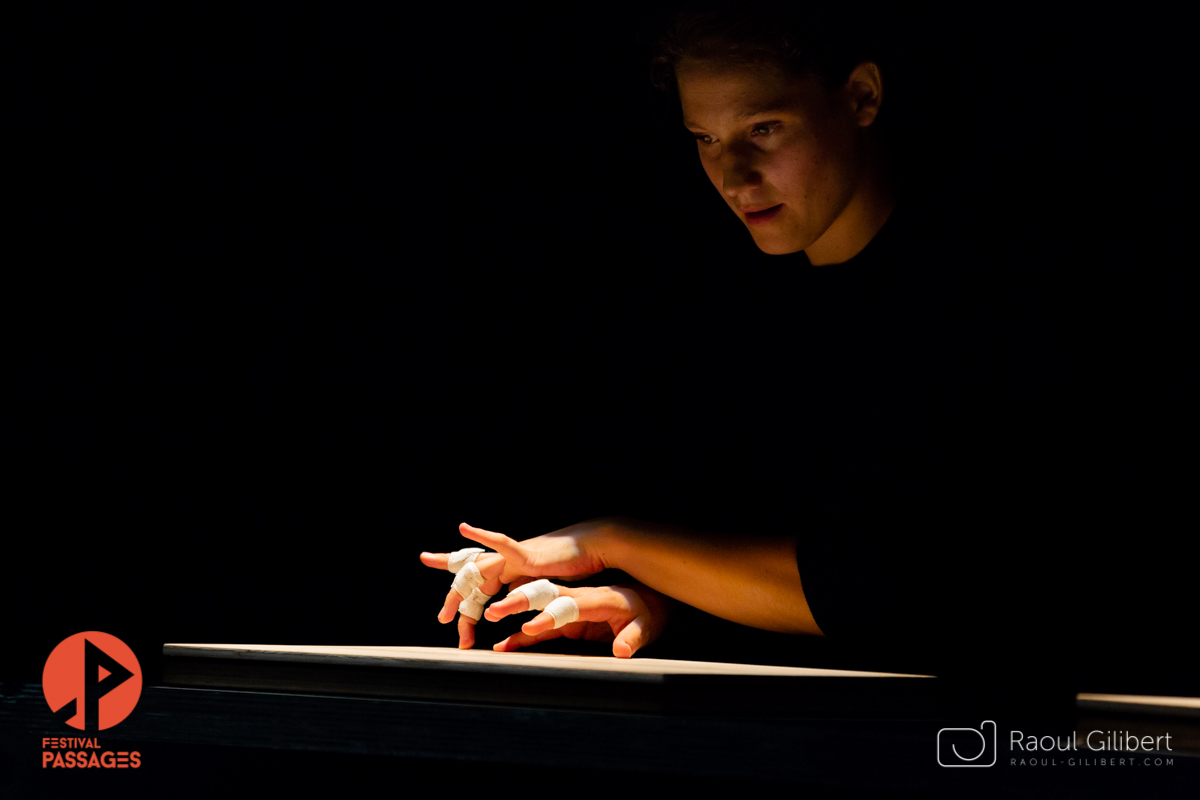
(749,114)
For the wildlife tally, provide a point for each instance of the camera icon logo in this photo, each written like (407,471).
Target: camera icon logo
(967,747)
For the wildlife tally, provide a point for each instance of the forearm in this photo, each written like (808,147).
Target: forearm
(752,581)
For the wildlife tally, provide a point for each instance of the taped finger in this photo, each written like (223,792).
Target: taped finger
(473,606)
(459,558)
(564,610)
(539,593)
(467,579)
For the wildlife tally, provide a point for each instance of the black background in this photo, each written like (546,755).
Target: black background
(300,289)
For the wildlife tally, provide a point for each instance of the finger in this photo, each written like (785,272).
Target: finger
(466,632)
(539,624)
(490,569)
(450,608)
(509,548)
(490,566)
(631,638)
(513,604)
(596,604)
(519,639)
(545,621)
(436,560)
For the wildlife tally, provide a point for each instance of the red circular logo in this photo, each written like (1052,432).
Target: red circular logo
(92,681)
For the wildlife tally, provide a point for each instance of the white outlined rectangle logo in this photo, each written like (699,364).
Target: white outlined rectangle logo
(967,747)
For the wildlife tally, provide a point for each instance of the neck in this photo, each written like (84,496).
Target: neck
(869,207)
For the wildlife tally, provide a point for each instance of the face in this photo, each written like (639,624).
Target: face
(783,152)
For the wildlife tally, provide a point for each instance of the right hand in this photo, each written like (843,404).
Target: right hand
(629,615)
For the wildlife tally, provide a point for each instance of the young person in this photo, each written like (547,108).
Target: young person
(892,523)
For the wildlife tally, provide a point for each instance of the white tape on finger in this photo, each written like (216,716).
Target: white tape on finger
(467,579)
(473,606)
(465,556)
(564,610)
(540,593)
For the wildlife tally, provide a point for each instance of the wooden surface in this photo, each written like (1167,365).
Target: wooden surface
(1141,704)
(488,661)
(604,683)
(546,680)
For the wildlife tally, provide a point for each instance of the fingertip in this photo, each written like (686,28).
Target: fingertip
(473,532)
(622,650)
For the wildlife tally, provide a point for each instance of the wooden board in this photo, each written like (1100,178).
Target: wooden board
(489,661)
(646,685)
(1148,705)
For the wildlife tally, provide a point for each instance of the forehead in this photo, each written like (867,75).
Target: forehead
(713,94)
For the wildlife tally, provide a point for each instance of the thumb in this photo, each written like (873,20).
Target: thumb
(631,638)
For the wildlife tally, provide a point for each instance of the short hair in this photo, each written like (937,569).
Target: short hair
(801,39)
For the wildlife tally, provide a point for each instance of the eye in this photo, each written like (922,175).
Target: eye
(765,129)
(703,138)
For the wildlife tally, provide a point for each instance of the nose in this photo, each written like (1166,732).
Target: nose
(738,173)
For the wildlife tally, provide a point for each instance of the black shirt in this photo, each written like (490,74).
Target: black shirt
(963,505)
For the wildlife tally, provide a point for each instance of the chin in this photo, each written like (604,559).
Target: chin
(777,245)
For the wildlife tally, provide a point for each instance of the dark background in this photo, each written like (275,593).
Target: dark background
(299,290)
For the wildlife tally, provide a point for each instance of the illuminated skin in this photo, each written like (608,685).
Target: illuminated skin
(753,581)
(769,140)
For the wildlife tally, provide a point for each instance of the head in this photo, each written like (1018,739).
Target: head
(785,122)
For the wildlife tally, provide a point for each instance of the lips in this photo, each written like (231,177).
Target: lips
(759,216)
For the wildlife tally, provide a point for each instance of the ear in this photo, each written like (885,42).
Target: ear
(864,90)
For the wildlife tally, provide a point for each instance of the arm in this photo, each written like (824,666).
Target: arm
(751,581)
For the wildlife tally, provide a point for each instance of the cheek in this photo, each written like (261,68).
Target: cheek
(795,174)
(808,175)
(835,168)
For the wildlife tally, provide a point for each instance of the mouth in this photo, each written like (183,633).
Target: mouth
(762,215)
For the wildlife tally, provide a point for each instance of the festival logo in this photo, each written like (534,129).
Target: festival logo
(92,681)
